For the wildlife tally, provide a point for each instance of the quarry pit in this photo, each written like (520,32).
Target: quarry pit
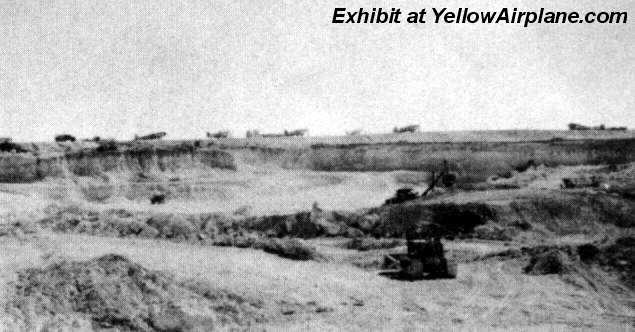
(246,225)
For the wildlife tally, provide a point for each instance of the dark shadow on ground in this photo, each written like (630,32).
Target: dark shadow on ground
(398,275)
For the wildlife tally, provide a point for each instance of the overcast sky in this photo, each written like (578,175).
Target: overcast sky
(116,68)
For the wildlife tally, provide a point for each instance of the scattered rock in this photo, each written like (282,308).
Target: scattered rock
(288,311)
(357,302)
(321,309)
(457,320)
(172,226)
(157,199)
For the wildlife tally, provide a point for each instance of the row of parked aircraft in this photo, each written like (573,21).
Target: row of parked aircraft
(227,133)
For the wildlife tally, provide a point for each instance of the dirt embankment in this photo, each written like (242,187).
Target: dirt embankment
(25,167)
(113,292)
(537,218)
(221,229)
(615,256)
(476,160)
(472,161)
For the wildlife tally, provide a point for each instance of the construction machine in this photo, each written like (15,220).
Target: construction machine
(405,194)
(425,259)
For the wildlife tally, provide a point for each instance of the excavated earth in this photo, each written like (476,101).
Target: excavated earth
(111,291)
(539,247)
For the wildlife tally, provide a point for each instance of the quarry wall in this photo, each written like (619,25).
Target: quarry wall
(472,161)
(28,168)
(468,159)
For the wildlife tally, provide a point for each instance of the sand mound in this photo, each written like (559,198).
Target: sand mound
(548,262)
(615,257)
(290,248)
(113,292)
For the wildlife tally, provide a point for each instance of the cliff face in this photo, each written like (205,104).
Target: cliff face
(468,159)
(28,168)
(474,161)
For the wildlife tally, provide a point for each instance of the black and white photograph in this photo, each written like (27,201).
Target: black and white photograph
(296,165)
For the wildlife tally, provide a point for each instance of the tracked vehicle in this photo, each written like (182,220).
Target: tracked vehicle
(424,260)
